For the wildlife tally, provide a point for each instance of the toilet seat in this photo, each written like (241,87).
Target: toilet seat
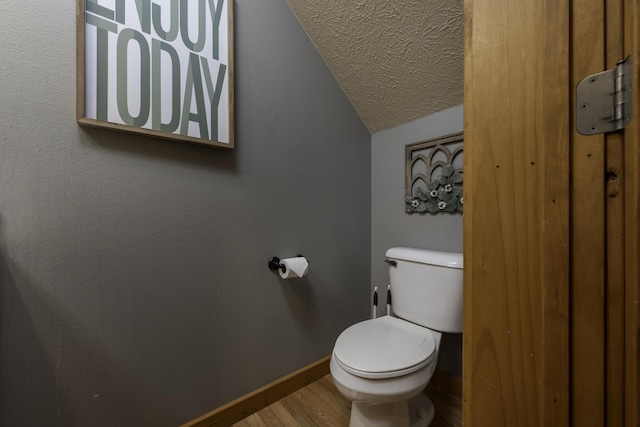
(385,347)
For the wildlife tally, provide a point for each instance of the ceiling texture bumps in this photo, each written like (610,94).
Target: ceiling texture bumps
(396,60)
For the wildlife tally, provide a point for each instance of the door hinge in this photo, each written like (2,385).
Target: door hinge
(604,100)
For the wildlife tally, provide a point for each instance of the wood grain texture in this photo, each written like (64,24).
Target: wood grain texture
(308,397)
(515,368)
(244,406)
(588,231)
(555,383)
(321,404)
(615,216)
(632,230)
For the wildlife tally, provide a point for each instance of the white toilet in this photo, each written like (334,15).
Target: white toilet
(382,365)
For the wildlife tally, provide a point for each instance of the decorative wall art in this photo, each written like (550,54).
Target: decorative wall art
(162,68)
(433,176)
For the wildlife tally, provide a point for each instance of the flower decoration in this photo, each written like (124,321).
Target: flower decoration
(443,194)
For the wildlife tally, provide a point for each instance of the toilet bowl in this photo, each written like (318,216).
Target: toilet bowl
(382,365)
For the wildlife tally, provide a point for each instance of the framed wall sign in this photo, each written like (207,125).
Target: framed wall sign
(161,68)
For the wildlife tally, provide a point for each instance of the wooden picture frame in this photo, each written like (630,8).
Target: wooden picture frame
(161,68)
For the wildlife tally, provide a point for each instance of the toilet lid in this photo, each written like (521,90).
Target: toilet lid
(384,347)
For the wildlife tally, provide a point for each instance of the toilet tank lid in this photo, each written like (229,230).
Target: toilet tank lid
(425,256)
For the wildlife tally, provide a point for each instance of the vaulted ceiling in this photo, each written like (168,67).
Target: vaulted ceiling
(396,60)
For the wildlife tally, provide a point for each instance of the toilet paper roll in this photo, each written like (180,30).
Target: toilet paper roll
(294,267)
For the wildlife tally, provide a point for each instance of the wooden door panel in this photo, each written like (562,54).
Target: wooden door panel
(516,220)
(632,217)
(615,215)
(588,224)
(551,219)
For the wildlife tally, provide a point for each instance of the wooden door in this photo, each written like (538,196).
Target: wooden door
(604,232)
(550,223)
(631,191)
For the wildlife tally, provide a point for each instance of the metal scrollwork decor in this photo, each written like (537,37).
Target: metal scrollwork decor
(433,176)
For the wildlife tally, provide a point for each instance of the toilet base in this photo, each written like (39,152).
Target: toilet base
(417,412)
(421,411)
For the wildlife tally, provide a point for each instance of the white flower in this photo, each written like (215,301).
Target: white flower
(415,203)
(442,205)
(462,200)
(434,193)
(448,188)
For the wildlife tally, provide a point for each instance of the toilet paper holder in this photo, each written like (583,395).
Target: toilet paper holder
(274,263)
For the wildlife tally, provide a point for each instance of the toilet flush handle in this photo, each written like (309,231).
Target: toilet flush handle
(391,262)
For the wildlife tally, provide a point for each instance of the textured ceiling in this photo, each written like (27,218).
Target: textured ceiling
(397,60)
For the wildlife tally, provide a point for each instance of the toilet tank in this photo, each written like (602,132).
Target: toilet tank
(426,287)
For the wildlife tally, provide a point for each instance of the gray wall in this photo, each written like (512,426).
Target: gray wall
(391,226)
(134,288)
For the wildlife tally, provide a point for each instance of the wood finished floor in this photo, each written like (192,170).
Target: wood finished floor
(321,405)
